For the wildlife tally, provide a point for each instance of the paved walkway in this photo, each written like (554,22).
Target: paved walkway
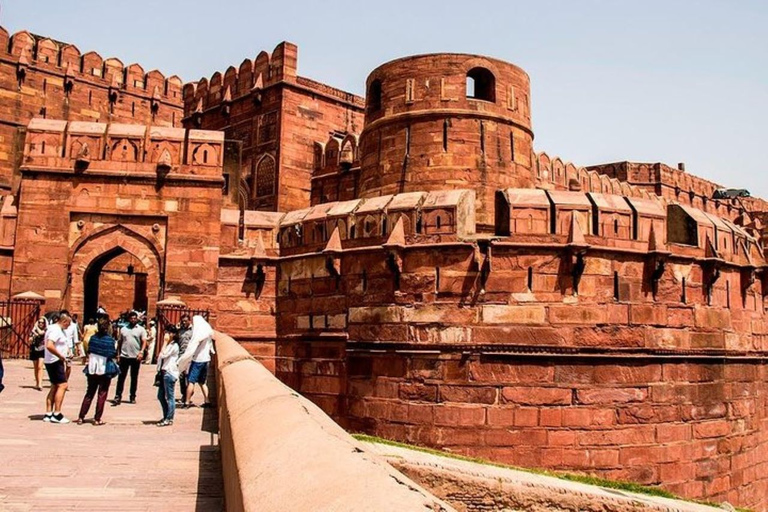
(128,464)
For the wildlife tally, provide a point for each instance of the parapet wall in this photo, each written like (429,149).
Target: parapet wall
(50,79)
(602,333)
(280,452)
(162,152)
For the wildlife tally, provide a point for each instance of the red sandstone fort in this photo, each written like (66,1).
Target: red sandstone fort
(407,260)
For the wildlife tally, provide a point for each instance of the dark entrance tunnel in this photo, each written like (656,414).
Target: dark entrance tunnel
(116,280)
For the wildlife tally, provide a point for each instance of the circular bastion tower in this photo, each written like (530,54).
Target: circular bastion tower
(447,121)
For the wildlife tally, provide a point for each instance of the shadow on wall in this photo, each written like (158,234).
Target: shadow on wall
(210,483)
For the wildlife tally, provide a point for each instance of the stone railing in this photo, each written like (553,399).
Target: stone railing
(281,452)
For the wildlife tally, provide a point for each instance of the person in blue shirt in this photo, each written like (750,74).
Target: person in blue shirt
(100,371)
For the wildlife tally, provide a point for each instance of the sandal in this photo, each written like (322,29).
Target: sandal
(79,421)
(99,423)
(163,423)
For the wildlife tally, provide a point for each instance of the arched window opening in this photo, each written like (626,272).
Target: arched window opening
(374,96)
(615,226)
(205,156)
(481,85)
(438,222)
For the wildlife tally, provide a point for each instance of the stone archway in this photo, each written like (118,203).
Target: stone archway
(92,253)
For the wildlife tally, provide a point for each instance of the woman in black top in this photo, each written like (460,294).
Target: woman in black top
(37,350)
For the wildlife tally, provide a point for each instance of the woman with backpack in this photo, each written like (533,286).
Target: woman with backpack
(100,371)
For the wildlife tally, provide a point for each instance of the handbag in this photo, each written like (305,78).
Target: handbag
(111,370)
(158,379)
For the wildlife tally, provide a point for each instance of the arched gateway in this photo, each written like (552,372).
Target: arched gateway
(138,286)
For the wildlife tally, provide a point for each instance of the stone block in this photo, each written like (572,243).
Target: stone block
(537,395)
(503,314)
(611,395)
(576,314)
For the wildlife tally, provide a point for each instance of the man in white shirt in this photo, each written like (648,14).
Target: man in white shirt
(198,371)
(57,365)
(77,337)
(73,340)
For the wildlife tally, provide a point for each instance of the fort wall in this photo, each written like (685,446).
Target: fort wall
(100,189)
(277,117)
(40,77)
(591,337)
(408,262)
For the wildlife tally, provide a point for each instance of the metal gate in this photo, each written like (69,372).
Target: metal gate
(17,318)
(171,315)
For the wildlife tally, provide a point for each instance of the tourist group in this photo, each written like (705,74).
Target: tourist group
(118,348)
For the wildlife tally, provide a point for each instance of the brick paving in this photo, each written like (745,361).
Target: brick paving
(127,465)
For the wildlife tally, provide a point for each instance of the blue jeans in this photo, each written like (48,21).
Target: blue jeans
(165,394)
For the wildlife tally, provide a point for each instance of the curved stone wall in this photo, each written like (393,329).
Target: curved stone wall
(600,333)
(424,131)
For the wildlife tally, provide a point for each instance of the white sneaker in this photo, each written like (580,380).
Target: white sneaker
(47,417)
(60,419)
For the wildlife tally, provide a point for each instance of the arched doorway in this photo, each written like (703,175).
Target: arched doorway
(116,280)
(116,267)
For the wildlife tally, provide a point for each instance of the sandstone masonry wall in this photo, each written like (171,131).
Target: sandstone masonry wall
(40,77)
(267,430)
(277,117)
(648,367)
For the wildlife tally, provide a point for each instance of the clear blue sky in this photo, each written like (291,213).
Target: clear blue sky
(671,81)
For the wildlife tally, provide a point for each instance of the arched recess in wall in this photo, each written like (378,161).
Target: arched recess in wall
(318,156)
(481,84)
(374,96)
(243,195)
(266,176)
(88,249)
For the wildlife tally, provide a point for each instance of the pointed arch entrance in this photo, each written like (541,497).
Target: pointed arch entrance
(114,266)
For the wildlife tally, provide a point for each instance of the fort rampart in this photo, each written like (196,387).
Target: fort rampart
(408,262)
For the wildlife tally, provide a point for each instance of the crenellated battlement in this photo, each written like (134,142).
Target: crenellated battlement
(250,79)
(27,50)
